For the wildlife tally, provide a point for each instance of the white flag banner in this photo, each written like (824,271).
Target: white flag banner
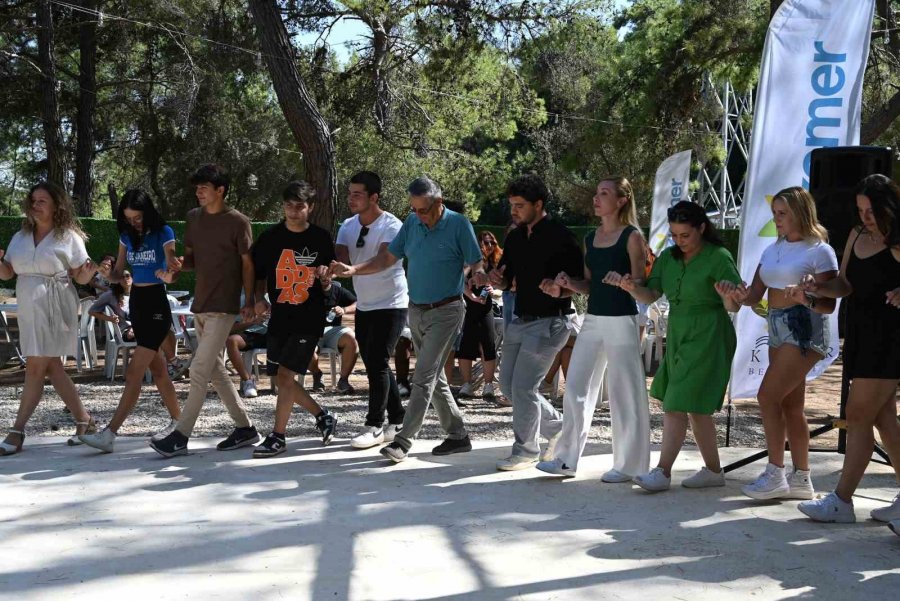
(809,96)
(670,187)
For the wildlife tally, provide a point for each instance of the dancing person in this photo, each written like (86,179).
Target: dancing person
(697,275)
(337,337)
(536,251)
(381,305)
(291,260)
(217,240)
(798,338)
(45,256)
(441,248)
(870,280)
(147,243)
(608,343)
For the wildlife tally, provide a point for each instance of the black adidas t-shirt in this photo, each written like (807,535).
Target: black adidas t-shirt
(287,261)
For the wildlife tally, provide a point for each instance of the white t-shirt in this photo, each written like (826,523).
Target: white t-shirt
(385,290)
(784,263)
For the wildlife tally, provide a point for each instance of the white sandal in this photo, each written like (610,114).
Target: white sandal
(90,428)
(9,449)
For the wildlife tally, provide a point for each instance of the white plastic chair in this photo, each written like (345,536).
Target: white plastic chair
(87,339)
(655,337)
(251,361)
(116,345)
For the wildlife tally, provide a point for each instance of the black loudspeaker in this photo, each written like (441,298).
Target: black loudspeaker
(833,175)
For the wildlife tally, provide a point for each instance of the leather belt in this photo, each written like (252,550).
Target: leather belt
(529,318)
(435,305)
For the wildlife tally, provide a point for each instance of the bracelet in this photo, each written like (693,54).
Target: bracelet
(810,301)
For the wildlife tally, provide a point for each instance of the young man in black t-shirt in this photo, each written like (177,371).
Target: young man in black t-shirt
(289,259)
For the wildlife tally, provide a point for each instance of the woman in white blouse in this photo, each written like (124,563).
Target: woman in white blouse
(798,338)
(45,254)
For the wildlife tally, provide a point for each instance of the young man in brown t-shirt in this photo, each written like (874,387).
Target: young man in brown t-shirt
(217,244)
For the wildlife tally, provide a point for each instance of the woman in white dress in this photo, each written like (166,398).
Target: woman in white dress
(45,254)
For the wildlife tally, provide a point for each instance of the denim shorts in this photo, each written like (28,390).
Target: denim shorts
(799,326)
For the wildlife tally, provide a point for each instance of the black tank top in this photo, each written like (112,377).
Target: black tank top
(871,279)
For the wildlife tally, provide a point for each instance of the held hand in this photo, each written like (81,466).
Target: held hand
(480,279)
(496,276)
(614,278)
(892,297)
(261,308)
(248,313)
(176,264)
(340,270)
(725,289)
(809,284)
(796,294)
(550,288)
(740,294)
(562,280)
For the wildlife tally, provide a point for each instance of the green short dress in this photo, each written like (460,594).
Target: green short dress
(700,338)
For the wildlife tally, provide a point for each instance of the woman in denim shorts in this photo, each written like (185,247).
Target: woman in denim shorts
(798,338)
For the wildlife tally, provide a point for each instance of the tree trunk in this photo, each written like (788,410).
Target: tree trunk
(878,123)
(56,170)
(113,200)
(83,189)
(300,111)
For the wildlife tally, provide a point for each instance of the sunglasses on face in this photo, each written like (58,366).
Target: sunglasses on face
(361,241)
(678,215)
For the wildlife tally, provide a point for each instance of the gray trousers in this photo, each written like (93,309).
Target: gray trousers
(528,351)
(433,333)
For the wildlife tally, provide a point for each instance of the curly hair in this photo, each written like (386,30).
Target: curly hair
(64,218)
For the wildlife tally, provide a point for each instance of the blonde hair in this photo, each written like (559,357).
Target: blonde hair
(64,218)
(628,212)
(802,207)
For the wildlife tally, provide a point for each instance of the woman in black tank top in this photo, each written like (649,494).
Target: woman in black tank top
(870,279)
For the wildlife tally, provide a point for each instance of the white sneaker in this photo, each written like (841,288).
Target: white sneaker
(404,391)
(248,389)
(705,478)
(516,462)
(654,481)
(489,391)
(888,513)
(466,391)
(368,438)
(549,452)
(102,440)
(894,525)
(829,508)
(390,431)
(556,467)
(771,484)
(614,476)
(165,431)
(800,485)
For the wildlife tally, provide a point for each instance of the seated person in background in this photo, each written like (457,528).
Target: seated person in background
(338,302)
(402,355)
(561,361)
(116,298)
(99,283)
(246,336)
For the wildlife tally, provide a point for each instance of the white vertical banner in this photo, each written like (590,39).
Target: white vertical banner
(670,187)
(809,96)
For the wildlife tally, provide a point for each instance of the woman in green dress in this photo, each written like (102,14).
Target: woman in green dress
(697,275)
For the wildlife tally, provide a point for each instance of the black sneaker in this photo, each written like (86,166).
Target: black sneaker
(326,423)
(394,452)
(271,446)
(450,446)
(240,437)
(318,384)
(172,445)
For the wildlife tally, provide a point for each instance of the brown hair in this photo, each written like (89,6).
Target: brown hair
(64,218)
(628,212)
(802,207)
(491,257)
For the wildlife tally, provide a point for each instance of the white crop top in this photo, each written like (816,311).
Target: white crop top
(784,263)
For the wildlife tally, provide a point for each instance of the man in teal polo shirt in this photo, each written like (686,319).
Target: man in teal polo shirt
(441,248)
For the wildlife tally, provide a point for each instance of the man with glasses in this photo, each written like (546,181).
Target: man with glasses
(290,260)
(381,304)
(441,247)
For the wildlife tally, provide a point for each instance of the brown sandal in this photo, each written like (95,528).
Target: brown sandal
(89,428)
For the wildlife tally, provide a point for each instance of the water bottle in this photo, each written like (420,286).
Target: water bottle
(331,315)
(485,294)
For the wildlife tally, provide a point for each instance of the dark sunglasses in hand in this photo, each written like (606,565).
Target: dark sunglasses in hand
(361,241)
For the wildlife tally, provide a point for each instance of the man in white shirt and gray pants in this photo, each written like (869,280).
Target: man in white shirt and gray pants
(381,306)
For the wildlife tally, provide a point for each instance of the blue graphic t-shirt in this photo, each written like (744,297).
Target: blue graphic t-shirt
(150,256)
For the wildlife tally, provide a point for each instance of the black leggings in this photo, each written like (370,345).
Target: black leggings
(478,336)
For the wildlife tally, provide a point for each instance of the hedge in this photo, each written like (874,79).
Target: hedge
(103,238)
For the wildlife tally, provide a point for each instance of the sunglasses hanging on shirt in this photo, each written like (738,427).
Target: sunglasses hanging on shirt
(361,241)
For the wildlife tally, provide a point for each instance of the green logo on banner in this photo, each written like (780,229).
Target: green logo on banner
(768,230)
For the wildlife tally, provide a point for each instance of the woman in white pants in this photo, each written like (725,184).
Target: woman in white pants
(608,342)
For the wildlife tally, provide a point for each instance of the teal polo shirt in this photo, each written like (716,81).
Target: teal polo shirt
(436,256)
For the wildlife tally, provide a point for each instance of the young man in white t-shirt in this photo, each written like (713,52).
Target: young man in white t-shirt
(381,308)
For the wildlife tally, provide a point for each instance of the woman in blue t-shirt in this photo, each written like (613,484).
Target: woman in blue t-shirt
(148,244)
